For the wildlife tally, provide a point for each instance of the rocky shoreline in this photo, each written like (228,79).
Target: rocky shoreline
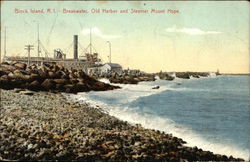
(46,126)
(53,78)
(56,78)
(136,78)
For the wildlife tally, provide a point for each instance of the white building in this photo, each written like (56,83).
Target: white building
(111,67)
(105,69)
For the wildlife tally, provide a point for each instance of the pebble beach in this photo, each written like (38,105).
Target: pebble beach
(47,126)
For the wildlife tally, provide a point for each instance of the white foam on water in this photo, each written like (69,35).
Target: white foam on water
(168,126)
(157,77)
(193,78)
(130,93)
(194,139)
(212,74)
(173,75)
(104,80)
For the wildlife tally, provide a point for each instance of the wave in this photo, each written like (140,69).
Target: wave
(104,80)
(116,104)
(130,92)
(212,74)
(150,121)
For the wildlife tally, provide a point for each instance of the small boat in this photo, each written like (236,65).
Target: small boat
(156,87)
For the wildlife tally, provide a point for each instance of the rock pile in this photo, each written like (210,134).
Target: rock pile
(135,79)
(187,75)
(53,78)
(131,79)
(165,76)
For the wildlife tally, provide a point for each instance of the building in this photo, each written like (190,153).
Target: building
(111,67)
(107,68)
(94,70)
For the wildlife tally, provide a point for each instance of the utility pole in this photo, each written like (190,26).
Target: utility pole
(29,48)
(109,51)
(4,45)
(38,41)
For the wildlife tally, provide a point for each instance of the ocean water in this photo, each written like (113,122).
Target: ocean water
(211,113)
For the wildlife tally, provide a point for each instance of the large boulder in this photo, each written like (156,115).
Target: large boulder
(182,75)
(7,67)
(4,71)
(169,78)
(48,84)
(4,79)
(60,81)
(195,75)
(65,76)
(203,74)
(113,80)
(5,63)
(11,76)
(70,88)
(166,76)
(33,66)
(20,65)
(42,74)
(19,75)
(52,74)
(72,76)
(73,81)
(35,85)
(34,76)
(82,87)
(60,67)
(55,68)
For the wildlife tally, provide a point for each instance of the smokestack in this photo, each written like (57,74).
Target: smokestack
(75,46)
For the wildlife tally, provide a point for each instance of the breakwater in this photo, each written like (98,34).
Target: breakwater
(54,78)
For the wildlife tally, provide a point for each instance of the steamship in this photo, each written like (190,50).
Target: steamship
(83,62)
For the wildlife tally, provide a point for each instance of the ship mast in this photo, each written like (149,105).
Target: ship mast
(90,43)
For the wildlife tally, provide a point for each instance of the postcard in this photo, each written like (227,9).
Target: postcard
(125,81)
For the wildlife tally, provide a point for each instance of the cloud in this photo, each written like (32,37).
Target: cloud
(96,31)
(190,31)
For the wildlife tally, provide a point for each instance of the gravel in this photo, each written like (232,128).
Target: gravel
(46,126)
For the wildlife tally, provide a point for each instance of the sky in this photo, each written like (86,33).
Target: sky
(188,36)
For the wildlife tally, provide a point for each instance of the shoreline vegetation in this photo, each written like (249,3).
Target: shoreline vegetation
(36,124)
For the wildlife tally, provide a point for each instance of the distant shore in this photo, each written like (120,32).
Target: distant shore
(234,74)
(46,126)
